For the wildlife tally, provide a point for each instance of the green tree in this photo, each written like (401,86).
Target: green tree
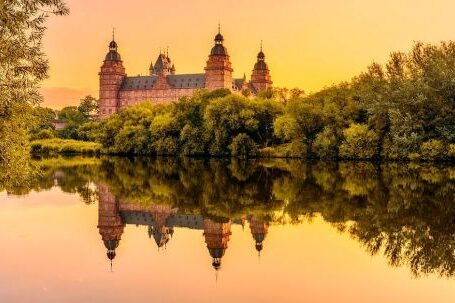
(359,142)
(23,66)
(325,145)
(89,108)
(243,146)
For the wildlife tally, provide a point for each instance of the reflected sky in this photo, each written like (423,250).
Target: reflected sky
(317,225)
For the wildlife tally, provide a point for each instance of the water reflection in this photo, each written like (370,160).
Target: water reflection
(404,211)
(114,213)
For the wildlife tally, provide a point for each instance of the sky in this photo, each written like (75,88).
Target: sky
(308,44)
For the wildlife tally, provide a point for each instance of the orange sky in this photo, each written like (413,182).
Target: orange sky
(308,44)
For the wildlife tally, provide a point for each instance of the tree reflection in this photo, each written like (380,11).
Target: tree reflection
(405,211)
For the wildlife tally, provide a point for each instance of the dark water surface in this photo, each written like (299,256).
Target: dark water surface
(190,230)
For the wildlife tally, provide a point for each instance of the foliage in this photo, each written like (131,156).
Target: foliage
(433,149)
(23,66)
(64,146)
(43,134)
(359,142)
(325,145)
(395,112)
(451,151)
(243,146)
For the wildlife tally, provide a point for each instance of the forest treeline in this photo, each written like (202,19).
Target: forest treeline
(403,110)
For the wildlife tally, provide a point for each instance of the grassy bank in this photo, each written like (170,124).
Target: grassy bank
(64,146)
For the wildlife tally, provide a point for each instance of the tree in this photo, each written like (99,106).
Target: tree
(359,142)
(325,145)
(73,118)
(42,119)
(89,108)
(23,66)
(243,147)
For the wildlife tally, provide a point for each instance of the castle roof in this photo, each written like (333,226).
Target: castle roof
(261,65)
(111,244)
(177,81)
(187,80)
(139,82)
(113,55)
(219,49)
(238,83)
(163,62)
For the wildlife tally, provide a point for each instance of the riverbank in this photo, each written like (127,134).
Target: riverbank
(56,146)
(64,146)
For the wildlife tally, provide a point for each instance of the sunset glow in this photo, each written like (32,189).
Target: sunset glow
(308,44)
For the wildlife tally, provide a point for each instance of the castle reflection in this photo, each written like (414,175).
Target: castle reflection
(405,211)
(114,214)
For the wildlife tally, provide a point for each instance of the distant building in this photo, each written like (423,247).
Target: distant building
(59,124)
(118,91)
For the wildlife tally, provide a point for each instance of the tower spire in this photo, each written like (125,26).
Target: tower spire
(261,45)
(219,27)
(113,34)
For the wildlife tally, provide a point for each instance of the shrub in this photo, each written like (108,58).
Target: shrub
(166,146)
(432,150)
(451,151)
(43,134)
(133,140)
(325,144)
(191,141)
(243,146)
(55,145)
(295,149)
(359,142)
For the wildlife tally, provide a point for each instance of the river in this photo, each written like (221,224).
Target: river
(114,229)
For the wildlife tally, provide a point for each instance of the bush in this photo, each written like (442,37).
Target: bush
(133,140)
(359,142)
(64,146)
(43,134)
(432,150)
(166,146)
(191,141)
(325,145)
(451,151)
(295,149)
(243,146)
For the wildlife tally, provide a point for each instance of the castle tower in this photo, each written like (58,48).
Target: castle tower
(216,237)
(111,78)
(110,223)
(260,78)
(159,230)
(163,66)
(259,230)
(218,72)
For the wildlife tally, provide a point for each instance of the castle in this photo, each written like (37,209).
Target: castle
(118,91)
(114,213)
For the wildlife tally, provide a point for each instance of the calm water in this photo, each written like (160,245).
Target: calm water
(188,230)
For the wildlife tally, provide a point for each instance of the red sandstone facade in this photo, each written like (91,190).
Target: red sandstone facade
(162,85)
